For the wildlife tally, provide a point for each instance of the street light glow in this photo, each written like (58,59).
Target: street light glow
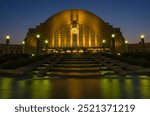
(38,36)
(23,42)
(126,42)
(7,37)
(142,36)
(113,35)
(104,41)
(46,41)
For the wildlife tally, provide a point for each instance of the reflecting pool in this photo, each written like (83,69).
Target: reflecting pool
(106,87)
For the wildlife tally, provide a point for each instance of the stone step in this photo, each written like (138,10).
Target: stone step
(77,62)
(75,69)
(77,59)
(74,74)
(77,65)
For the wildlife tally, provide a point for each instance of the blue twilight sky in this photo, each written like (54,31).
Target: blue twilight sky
(132,16)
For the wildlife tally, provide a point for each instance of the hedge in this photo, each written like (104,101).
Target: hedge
(141,59)
(13,64)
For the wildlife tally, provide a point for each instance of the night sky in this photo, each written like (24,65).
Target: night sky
(17,16)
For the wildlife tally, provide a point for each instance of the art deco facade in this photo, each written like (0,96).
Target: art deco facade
(71,30)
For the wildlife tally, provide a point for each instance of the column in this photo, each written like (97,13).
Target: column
(37,44)
(23,47)
(113,44)
(104,42)
(142,43)
(7,44)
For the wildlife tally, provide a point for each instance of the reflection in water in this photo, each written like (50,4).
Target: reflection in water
(145,88)
(21,88)
(110,88)
(129,88)
(83,88)
(41,89)
(5,87)
(106,87)
(74,89)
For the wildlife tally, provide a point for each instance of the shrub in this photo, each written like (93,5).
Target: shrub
(13,64)
(141,59)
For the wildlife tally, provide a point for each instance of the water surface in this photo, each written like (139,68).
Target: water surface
(107,87)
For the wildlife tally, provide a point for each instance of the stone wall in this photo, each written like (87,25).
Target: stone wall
(13,49)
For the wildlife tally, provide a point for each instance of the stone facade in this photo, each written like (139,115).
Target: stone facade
(74,30)
(137,47)
(13,49)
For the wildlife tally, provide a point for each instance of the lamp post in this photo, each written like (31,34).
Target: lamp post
(126,46)
(113,43)
(142,43)
(46,45)
(104,41)
(23,47)
(37,44)
(7,44)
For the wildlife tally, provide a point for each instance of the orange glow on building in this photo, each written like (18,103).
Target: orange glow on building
(74,30)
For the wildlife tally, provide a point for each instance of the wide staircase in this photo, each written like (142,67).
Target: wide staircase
(85,66)
(74,66)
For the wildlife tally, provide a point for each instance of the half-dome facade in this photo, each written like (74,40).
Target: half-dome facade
(73,30)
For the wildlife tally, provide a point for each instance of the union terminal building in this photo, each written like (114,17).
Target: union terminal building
(74,31)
